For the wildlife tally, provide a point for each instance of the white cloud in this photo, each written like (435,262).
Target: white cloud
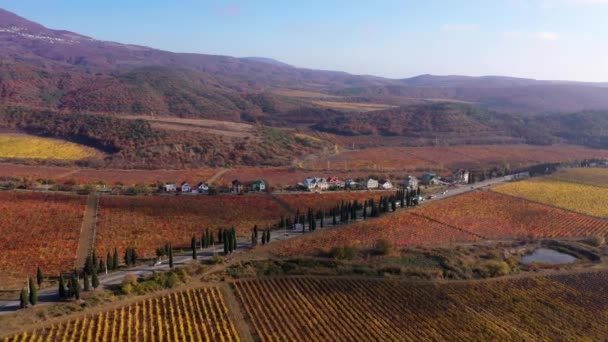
(546,36)
(459,28)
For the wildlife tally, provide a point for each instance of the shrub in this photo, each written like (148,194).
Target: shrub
(129,282)
(597,241)
(494,269)
(383,247)
(344,252)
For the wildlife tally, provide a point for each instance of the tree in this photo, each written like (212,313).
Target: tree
(39,276)
(115,259)
(23,298)
(33,292)
(62,292)
(109,264)
(234,242)
(87,284)
(100,267)
(268,236)
(170,256)
(193,246)
(95,281)
(75,286)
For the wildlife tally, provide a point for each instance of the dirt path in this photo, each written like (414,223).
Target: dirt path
(217,175)
(87,230)
(280,202)
(68,174)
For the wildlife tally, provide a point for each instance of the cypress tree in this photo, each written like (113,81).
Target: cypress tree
(33,292)
(255,229)
(61,290)
(268,236)
(115,260)
(87,285)
(128,256)
(254,241)
(211,240)
(75,286)
(263,238)
(95,281)
(220,235)
(226,246)
(234,242)
(170,256)
(100,267)
(39,276)
(193,245)
(23,298)
(109,264)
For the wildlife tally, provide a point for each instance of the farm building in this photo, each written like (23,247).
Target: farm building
(372,184)
(335,182)
(237,187)
(386,185)
(170,187)
(351,184)
(461,176)
(430,179)
(185,187)
(316,184)
(411,183)
(259,186)
(202,188)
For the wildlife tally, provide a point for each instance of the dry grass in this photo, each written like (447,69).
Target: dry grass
(353,106)
(589,176)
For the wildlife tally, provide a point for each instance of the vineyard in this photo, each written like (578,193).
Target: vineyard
(37,229)
(401,229)
(315,309)
(328,200)
(192,315)
(581,198)
(448,158)
(147,223)
(493,215)
(588,176)
(32,147)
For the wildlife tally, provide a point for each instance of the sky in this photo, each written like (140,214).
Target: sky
(542,39)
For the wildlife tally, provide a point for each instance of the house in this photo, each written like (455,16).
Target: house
(259,186)
(237,187)
(314,183)
(202,188)
(170,187)
(430,179)
(372,184)
(334,182)
(185,187)
(461,177)
(386,185)
(351,184)
(411,183)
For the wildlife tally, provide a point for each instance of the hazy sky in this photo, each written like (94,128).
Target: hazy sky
(545,39)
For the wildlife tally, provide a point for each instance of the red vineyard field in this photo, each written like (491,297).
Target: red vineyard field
(401,229)
(449,158)
(493,215)
(192,315)
(38,229)
(328,200)
(311,309)
(147,223)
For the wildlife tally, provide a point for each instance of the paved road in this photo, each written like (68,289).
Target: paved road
(243,244)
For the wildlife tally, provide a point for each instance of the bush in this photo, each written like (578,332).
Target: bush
(597,241)
(344,252)
(383,247)
(494,269)
(129,282)
(216,259)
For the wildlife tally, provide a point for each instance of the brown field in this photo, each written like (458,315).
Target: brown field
(496,216)
(147,223)
(303,94)
(544,308)
(402,229)
(38,229)
(448,158)
(191,315)
(126,177)
(215,127)
(353,106)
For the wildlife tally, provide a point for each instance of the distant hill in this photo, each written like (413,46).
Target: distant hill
(65,70)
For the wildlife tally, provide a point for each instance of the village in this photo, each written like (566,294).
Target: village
(320,184)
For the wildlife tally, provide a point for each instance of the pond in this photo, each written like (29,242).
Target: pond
(548,256)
